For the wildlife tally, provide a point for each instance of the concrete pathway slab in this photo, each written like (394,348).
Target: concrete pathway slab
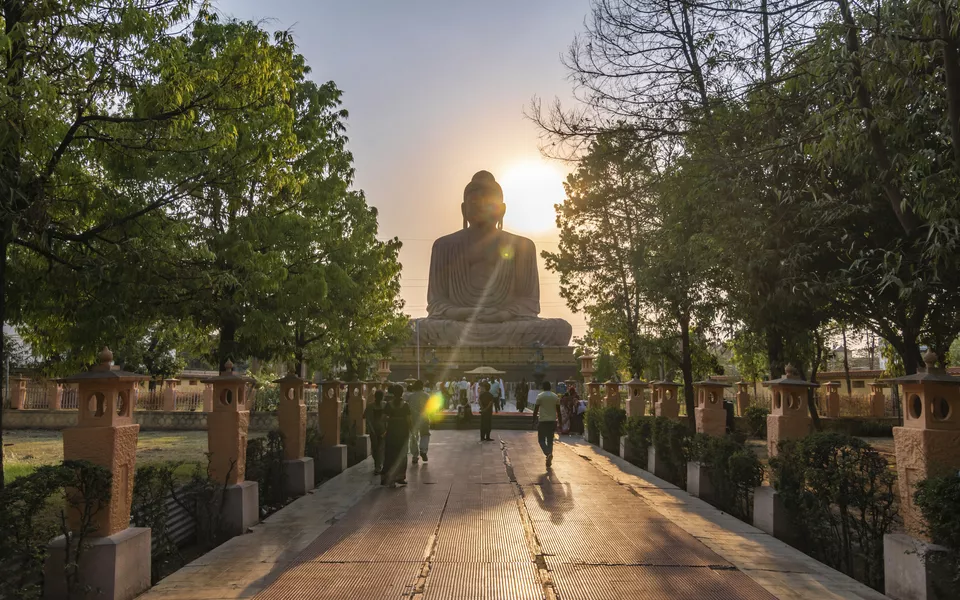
(487,520)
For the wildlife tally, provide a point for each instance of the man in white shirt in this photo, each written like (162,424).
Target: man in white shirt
(547,405)
(497,392)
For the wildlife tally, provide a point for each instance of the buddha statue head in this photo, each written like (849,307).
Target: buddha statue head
(483,205)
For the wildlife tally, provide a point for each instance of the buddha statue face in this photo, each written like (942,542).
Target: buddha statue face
(483,205)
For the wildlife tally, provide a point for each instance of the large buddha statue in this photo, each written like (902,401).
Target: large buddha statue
(484,289)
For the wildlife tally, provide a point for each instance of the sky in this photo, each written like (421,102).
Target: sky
(437,90)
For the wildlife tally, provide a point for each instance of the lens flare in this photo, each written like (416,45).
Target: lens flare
(433,406)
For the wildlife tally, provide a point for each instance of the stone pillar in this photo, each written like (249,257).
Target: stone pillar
(743,397)
(54,395)
(207,397)
(636,402)
(878,401)
(333,454)
(586,367)
(789,418)
(18,392)
(169,396)
(227,427)
(709,413)
(928,445)
(356,403)
(612,394)
(292,418)
(665,399)
(383,369)
(831,399)
(117,560)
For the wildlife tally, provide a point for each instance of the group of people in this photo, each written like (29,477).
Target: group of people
(399,421)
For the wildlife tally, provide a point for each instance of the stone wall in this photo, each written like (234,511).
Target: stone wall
(153,420)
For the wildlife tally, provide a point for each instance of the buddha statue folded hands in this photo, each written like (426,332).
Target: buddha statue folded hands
(484,289)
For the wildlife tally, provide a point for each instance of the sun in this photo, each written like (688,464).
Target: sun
(531,189)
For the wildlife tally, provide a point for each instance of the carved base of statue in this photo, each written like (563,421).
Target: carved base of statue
(522,332)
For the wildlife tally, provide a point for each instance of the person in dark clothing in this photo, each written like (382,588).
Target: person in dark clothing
(377,426)
(399,424)
(486,412)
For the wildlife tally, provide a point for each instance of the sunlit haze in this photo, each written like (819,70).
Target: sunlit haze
(437,91)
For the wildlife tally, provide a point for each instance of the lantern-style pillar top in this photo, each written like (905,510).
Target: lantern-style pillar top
(709,394)
(291,388)
(383,368)
(105,393)
(932,397)
(743,386)
(789,393)
(586,366)
(229,389)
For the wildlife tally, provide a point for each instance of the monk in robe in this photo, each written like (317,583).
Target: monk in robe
(484,288)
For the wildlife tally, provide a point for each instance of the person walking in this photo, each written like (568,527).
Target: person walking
(420,433)
(377,426)
(462,387)
(521,395)
(397,414)
(496,392)
(546,406)
(486,412)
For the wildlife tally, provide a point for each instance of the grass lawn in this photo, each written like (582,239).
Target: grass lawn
(25,450)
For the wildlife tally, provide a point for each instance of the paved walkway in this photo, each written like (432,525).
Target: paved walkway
(487,521)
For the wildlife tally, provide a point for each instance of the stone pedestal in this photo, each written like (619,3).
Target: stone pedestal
(636,403)
(18,392)
(743,398)
(655,465)
(169,396)
(831,400)
(241,508)
(698,481)
(54,396)
(207,398)
(593,435)
(665,402)
(611,445)
(769,515)
(878,402)
(227,444)
(916,570)
(611,397)
(630,453)
(781,428)
(790,415)
(709,414)
(332,460)
(298,476)
(362,447)
(329,408)
(922,453)
(116,567)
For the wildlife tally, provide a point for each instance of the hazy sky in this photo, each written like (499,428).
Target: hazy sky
(436,91)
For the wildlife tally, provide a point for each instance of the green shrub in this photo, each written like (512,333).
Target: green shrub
(34,511)
(592,419)
(734,472)
(639,432)
(756,420)
(839,494)
(265,466)
(151,486)
(611,422)
(938,499)
(267,398)
(672,440)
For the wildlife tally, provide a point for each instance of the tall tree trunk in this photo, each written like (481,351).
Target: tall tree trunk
(811,398)
(846,361)
(228,347)
(686,367)
(3,357)
(775,359)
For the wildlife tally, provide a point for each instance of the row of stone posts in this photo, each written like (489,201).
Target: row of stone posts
(116,563)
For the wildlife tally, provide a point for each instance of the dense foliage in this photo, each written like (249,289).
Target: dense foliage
(35,510)
(938,499)
(174,184)
(761,176)
(672,442)
(639,434)
(839,493)
(734,472)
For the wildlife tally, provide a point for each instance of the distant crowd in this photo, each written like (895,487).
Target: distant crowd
(399,419)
